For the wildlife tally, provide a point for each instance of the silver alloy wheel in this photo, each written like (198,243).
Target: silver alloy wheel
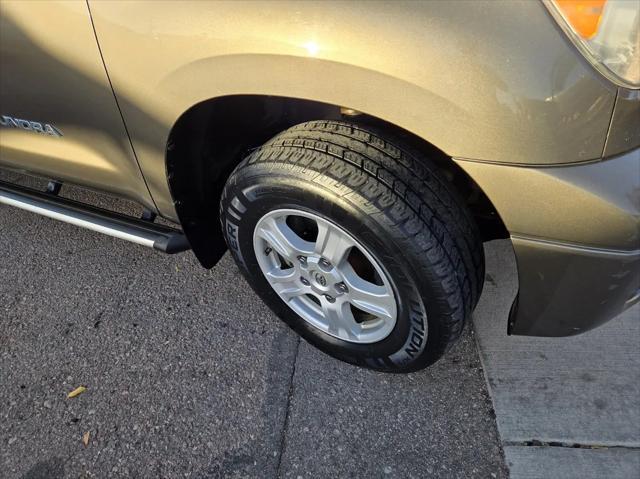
(315,272)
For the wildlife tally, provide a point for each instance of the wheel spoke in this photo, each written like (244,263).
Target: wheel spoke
(280,237)
(368,297)
(332,244)
(285,282)
(288,291)
(340,320)
(277,275)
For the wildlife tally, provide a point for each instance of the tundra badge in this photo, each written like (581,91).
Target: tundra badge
(44,128)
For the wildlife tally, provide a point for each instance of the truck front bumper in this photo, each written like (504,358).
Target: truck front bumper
(567,289)
(575,232)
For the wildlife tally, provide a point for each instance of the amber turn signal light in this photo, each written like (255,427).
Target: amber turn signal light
(583,15)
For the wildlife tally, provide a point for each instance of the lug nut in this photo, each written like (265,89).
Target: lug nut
(329,298)
(324,263)
(342,288)
(303,260)
(267,250)
(304,281)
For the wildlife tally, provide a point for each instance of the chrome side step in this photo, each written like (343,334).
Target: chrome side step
(136,230)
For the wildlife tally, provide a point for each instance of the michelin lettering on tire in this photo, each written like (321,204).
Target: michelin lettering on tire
(417,340)
(231,230)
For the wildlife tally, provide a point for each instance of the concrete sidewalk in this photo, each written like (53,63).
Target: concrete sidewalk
(566,407)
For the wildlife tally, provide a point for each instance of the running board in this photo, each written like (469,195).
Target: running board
(146,233)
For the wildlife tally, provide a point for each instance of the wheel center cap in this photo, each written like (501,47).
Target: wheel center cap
(320,279)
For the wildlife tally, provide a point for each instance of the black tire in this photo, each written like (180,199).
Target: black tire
(396,203)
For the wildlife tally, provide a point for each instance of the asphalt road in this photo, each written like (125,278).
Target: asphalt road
(189,375)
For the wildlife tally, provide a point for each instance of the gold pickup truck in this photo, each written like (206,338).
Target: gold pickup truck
(352,156)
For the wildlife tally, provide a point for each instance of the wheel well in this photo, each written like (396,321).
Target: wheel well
(213,136)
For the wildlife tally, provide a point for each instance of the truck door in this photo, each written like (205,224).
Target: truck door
(58,114)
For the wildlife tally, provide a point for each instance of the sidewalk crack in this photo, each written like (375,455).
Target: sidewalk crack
(285,426)
(568,445)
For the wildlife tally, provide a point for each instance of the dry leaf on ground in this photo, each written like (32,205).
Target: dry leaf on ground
(76,392)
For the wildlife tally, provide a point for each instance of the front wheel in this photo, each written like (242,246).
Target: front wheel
(358,245)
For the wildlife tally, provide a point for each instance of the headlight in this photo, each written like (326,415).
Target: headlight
(607,32)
